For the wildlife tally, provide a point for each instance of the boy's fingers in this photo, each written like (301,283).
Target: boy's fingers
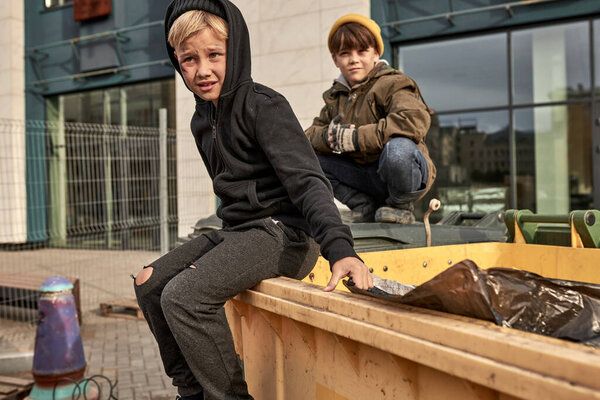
(355,269)
(362,281)
(330,140)
(335,278)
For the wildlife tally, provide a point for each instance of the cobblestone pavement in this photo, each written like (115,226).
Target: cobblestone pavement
(123,350)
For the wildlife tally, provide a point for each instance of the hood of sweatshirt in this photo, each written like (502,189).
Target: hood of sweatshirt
(238,42)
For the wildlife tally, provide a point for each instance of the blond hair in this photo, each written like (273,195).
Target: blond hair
(194,21)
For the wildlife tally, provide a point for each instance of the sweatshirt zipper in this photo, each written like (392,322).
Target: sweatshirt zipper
(215,124)
(213,121)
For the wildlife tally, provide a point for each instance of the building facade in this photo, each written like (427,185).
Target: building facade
(513,87)
(13,193)
(93,76)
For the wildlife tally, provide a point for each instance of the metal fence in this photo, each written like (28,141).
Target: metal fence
(82,201)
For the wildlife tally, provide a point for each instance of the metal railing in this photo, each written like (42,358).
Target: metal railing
(451,14)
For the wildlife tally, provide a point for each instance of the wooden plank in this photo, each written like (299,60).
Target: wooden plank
(122,308)
(509,361)
(17,382)
(26,281)
(13,388)
(33,283)
(569,361)
(21,281)
(5,389)
(324,393)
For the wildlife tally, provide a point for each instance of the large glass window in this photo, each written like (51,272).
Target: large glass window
(524,143)
(554,161)
(56,3)
(459,74)
(131,105)
(471,153)
(551,64)
(104,165)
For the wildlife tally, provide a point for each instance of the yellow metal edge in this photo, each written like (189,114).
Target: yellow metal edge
(417,265)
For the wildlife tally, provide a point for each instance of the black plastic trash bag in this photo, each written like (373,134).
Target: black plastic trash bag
(509,297)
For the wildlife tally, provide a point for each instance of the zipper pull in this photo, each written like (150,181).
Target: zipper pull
(214,131)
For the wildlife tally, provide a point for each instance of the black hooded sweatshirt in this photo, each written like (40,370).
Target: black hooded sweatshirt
(255,150)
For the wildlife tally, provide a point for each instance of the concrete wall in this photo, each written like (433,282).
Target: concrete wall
(13,213)
(195,198)
(289,54)
(12,70)
(289,47)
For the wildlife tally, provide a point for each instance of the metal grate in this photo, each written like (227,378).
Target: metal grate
(81,200)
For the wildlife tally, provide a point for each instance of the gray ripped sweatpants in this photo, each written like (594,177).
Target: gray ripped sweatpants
(184,306)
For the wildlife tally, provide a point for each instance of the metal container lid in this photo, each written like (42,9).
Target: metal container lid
(56,284)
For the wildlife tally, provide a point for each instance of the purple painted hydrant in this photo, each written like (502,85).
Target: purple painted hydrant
(58,359)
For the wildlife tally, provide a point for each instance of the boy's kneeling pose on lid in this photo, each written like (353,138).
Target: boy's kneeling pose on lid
(370,135)
(274,200)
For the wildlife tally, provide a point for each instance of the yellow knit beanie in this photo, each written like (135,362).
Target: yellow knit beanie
(362,20)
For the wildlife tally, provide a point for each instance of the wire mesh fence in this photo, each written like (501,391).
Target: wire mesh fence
(82,201)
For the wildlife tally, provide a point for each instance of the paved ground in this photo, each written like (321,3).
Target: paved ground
(123,350)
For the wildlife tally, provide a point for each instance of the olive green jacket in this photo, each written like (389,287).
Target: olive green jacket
(386,104)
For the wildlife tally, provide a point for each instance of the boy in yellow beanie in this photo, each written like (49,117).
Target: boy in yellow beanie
(370,135)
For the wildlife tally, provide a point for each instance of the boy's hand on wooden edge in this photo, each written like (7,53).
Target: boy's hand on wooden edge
(352,267)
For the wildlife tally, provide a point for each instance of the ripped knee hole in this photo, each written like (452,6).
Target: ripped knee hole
(144,275)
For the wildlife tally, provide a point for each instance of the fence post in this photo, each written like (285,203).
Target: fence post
(107,146)
(163,186)
(57,174)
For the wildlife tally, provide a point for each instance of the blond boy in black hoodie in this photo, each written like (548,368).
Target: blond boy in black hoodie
(274,201)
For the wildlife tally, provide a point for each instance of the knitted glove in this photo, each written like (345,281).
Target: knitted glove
(327,130)
(345,138)
(340,138)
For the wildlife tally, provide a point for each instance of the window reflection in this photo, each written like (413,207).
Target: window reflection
(471,153)
(56,3)
(134,105)
(459,74)
(551,64)
(554,158)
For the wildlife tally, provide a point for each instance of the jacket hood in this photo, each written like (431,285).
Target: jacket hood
(238,66)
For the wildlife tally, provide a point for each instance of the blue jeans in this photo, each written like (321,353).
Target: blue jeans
(398,178)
